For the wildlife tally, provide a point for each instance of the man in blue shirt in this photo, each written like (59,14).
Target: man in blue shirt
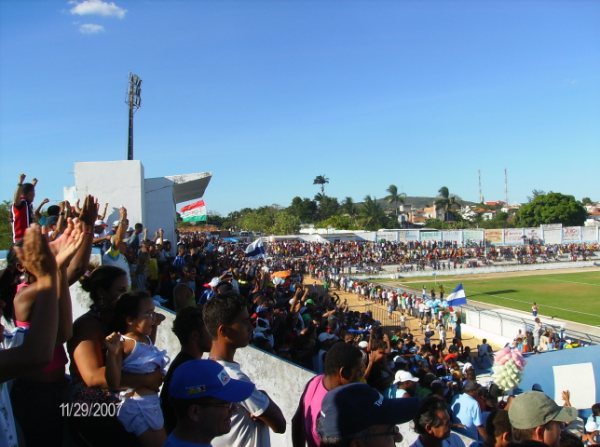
(467,413)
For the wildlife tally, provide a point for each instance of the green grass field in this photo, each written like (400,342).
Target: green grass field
(568,296)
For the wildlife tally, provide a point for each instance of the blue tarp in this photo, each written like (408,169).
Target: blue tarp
(577,370)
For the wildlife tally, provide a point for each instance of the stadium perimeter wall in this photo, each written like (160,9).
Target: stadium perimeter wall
(388,271)
(548,234)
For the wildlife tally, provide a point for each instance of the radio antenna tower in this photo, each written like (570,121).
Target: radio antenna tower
(134,101)
(480,192)
(506,185)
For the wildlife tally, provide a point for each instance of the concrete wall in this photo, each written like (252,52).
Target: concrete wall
(160,207)
(118,183)
(389,271)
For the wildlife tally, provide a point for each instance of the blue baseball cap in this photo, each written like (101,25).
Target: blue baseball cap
(350,409)
(196,379)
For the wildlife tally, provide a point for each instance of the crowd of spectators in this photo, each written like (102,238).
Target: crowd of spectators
(223,301)
(414,256)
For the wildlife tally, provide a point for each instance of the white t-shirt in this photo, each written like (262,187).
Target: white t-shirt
(245,431)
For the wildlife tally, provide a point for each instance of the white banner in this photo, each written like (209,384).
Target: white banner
(589,234)
(452,236)
(409,235)
(571,234)
(390,236)
(472,235)
(553,236)
(513,236)
(533,234)
(431,236)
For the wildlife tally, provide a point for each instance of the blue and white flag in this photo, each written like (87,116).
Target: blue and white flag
(457,297)
(256,250)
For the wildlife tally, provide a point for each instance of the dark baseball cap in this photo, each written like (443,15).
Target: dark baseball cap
(350,409)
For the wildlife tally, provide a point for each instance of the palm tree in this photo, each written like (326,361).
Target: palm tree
(372,214)
(395,197)
(349,207)
(321,180)
(446,201)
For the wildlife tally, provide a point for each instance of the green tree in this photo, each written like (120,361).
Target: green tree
(339,222)
(261,219)
(304,209)
(328,206)
(371,214)
(395,198)
(586,201)
(285,223)
(349,207)
(5,227)
(215,219)
(321,180)
(550,208)
(434,223)
(447,202)
(535,193)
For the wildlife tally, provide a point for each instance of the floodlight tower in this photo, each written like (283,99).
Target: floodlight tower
(134,101)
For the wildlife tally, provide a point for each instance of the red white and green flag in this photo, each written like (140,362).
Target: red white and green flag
(194,212)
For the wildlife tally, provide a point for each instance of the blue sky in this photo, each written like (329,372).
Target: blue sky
(267,95)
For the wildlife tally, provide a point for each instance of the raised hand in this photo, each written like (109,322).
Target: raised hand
(44,202)
(66,208)
(72,239)
(21,178)
(35,254)
(89,212)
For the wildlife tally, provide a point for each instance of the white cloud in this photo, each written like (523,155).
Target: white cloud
(98,7)
(90,28)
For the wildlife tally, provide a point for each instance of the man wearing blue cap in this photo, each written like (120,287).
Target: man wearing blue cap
(357,415)
(203,396)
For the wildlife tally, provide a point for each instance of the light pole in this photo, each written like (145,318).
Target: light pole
(134,101)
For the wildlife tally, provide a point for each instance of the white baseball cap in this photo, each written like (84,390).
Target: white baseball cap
(404,376)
